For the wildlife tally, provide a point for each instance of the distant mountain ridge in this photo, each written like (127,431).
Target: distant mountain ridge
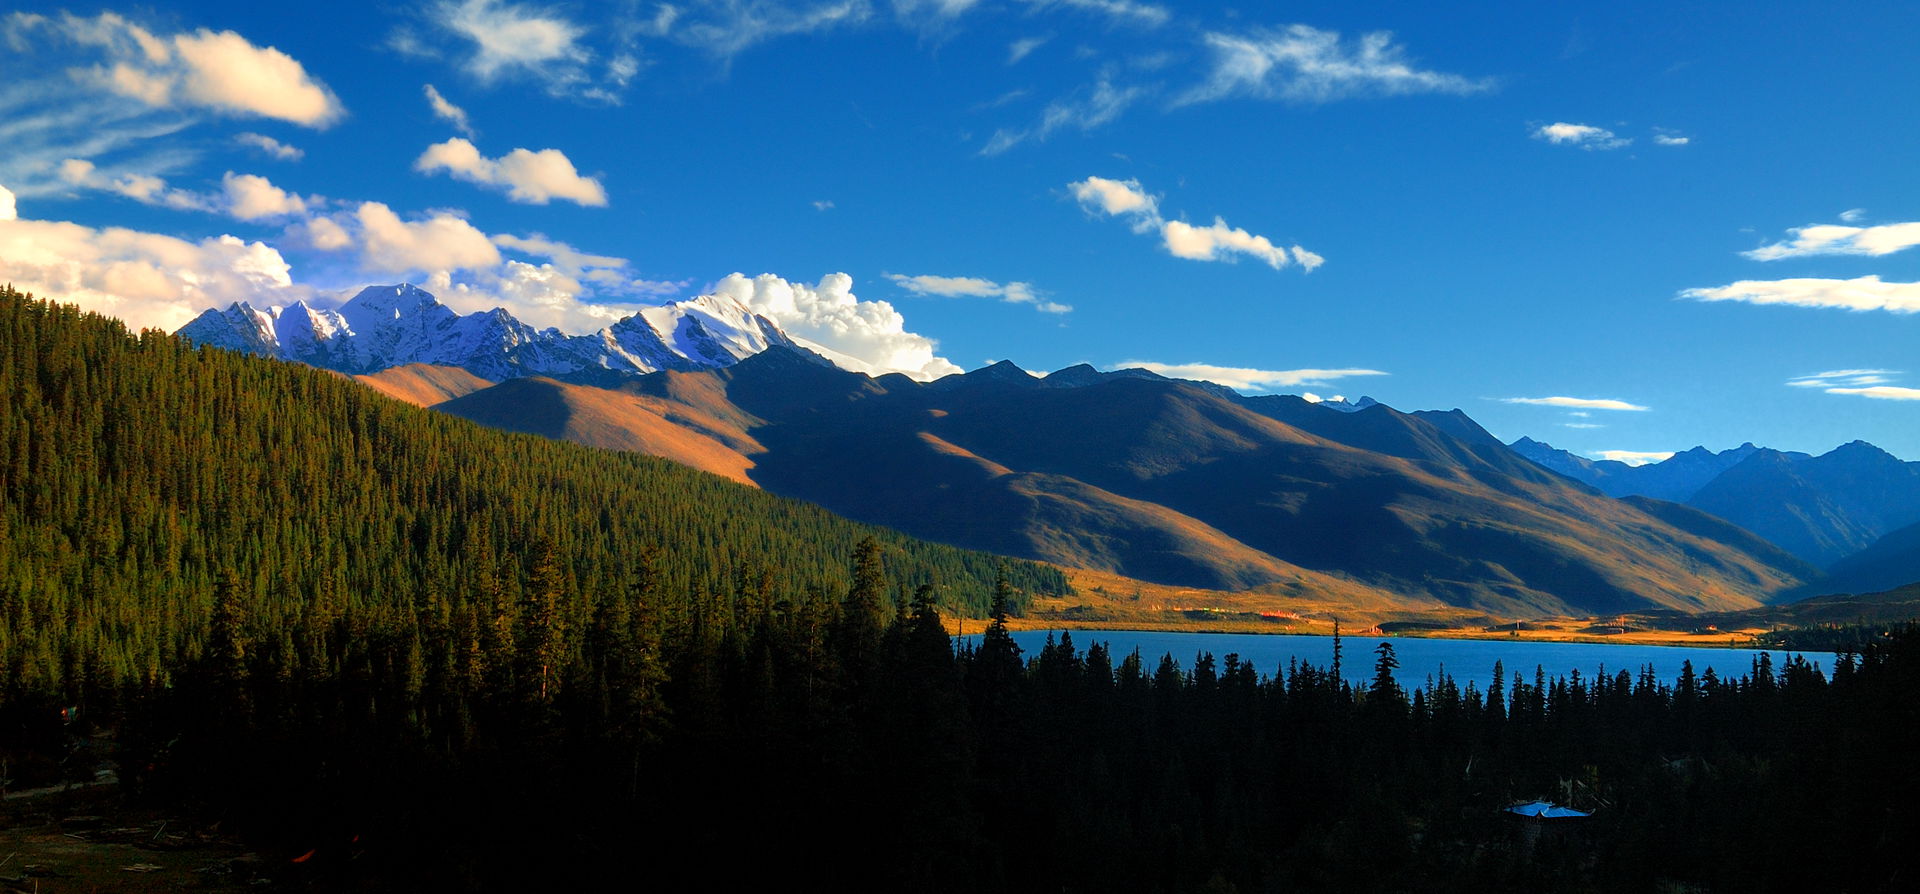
(383,327)
(1819,508)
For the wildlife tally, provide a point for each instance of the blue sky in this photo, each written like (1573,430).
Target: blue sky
(1622,227)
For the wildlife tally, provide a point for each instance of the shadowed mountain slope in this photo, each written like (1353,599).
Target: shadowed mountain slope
(1178,483)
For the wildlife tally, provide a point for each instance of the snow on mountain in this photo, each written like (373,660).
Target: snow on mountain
(387,326)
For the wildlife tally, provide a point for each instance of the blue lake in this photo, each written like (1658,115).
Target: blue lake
(1466,659)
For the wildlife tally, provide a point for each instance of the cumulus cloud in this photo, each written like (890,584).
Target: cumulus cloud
(1304,64)
(1215,242)
(1581,403)
(1833,239)
(1670,139)
(1221,242)
(447,111)
(868,336)
(270,147)
(441,242)
(974,287)
(529,177)
(145,279)
(1244,379)
(252,197)
(1859,294)
(1585,136)
(219,71)
(1115,198)
(1634,457)
(9,208)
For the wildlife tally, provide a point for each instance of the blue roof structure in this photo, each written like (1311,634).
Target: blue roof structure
(1545,810)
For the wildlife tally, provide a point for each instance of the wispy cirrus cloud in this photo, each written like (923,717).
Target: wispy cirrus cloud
(1244,378)
(1816,240)
(1874,383)
(1304,64)
(270,147)
(975,287)
(1120,12)
(445,110)
(1129,200)
(1578,403)
(1092,107)
(1859,294)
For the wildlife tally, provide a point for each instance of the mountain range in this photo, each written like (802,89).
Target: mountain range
(387,326)
(1126,471)
(1820,508)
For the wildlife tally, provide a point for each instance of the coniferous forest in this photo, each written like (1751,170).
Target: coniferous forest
(435,655)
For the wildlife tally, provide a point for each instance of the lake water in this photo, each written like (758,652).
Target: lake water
(1466,659)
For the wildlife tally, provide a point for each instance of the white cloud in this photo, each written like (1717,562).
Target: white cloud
(1585,136)
(1583,403)
(519,40)
(867,335)
(203,69)
(1831,239)
(1853,215)
(145,279)
(1847,377)
(447,111)
(9,209)
(1120,11)
(1862,293)
(1875,383)
(1221,242)
(146,189)
(974,287)
(441,242)
(1244,379)
(1883,392)
(1023,47)
(725,29)
(1216,242)
(320,233)
(1634,457)
(271,147)
(529,177)
(823,205)
(1663,139)
(1582,425)
(252,197)
(1116,197)
(1084,111)
(1301,63)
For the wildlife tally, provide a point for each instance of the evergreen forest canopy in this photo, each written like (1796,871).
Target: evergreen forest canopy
(426,654)
(137,471)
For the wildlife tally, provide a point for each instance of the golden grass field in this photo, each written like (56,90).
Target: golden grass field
(1104,601)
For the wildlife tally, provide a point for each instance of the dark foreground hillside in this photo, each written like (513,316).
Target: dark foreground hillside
(395,651)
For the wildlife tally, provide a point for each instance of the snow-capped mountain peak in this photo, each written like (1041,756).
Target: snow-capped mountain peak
(393,325)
